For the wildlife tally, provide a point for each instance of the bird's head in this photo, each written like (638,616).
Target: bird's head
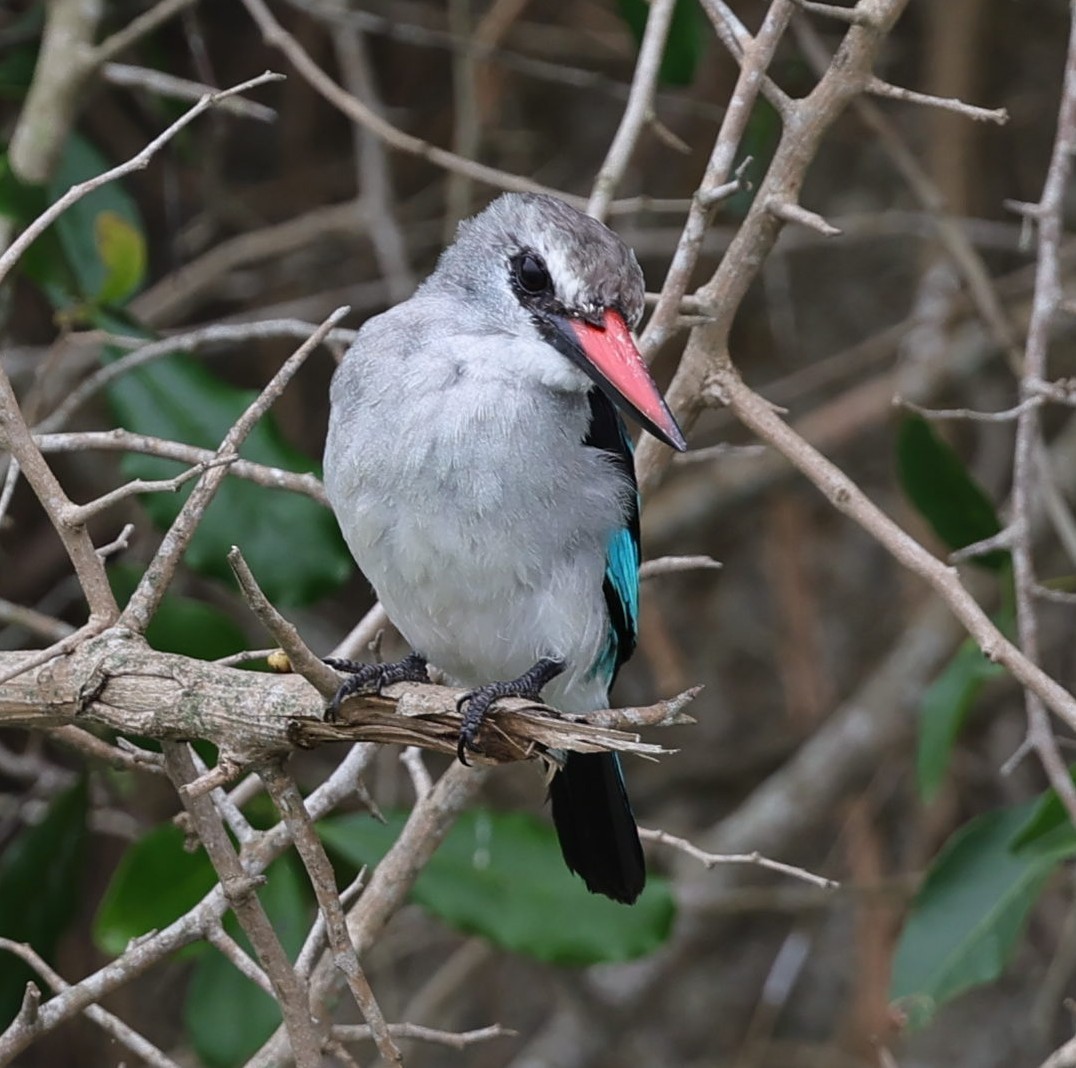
(568,290)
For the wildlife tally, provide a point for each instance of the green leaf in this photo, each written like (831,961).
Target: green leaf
(227,1016)
(944,709)
(78,227)
(971,909)
(939,485)
(291,542)
(123,252)
(155,882)
(685,43)
(40,889)
(501,875)
(182,624)
(1048,820)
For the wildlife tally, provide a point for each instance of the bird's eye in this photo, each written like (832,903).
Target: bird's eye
(531,274)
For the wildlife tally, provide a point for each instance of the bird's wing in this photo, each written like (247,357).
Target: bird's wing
(621,586)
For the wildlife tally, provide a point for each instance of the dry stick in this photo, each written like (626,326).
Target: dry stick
(168,299)
(756,414)
(1047,297)
(375,185)
(951,233)
(191,926)
(756,57)
(289,803)
(713,859)
(877,87)
(80,513)
(155,81)
(16,437)
(312,668)
(667,565)
(640,106)
(36,622)
(388,887)
(358,112)
(137,28)
(158,575)
(112,1025)
(452,1039)
(136,163)
(805,122)
(238,886)
(120,440)
(229,948)
(189,341)
(315,937)
(13,430)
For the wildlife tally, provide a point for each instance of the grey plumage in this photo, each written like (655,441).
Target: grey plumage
(458,466)
(455,463)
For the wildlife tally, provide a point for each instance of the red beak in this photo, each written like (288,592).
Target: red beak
(614,362)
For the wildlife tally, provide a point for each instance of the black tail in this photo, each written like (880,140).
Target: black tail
(596,827)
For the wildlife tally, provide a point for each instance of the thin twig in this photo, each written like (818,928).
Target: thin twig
(358,112)
(640,104)
(136,163)
(112,1025)
(289,802)
(158,575)
(120,440)
(312,668)
(713,859)
(1045,303)
(288,989)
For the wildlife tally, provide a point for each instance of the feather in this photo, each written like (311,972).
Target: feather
(591,810)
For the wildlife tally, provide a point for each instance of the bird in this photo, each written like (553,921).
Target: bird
(482,476)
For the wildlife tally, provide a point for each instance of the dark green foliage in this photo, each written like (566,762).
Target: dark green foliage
(500,875)
(40,884)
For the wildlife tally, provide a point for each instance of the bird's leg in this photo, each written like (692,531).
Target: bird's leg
(372,678)
(474,704)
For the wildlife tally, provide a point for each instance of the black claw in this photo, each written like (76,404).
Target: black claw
(475,704)
(372,678)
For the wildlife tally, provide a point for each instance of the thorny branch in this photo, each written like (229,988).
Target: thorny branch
(111,678)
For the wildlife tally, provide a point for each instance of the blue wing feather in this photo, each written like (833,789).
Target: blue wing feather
(621,586)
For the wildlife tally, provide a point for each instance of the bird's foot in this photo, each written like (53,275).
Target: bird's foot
(474,704)
(372,678)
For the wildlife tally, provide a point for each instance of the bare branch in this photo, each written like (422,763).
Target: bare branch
(666,565)
(711,860)
(288,989)
(877,87)
(157,81)
(136,163)
(312,668)
(452,1039)
(289,802)
(15,436)
(639,107)
(120,440)
(158,575)
(112,1025)
(1045,306)
(360,113)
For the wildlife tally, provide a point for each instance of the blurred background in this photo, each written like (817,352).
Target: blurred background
(815,649)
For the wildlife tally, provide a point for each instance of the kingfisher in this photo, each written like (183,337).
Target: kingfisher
(482,475)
